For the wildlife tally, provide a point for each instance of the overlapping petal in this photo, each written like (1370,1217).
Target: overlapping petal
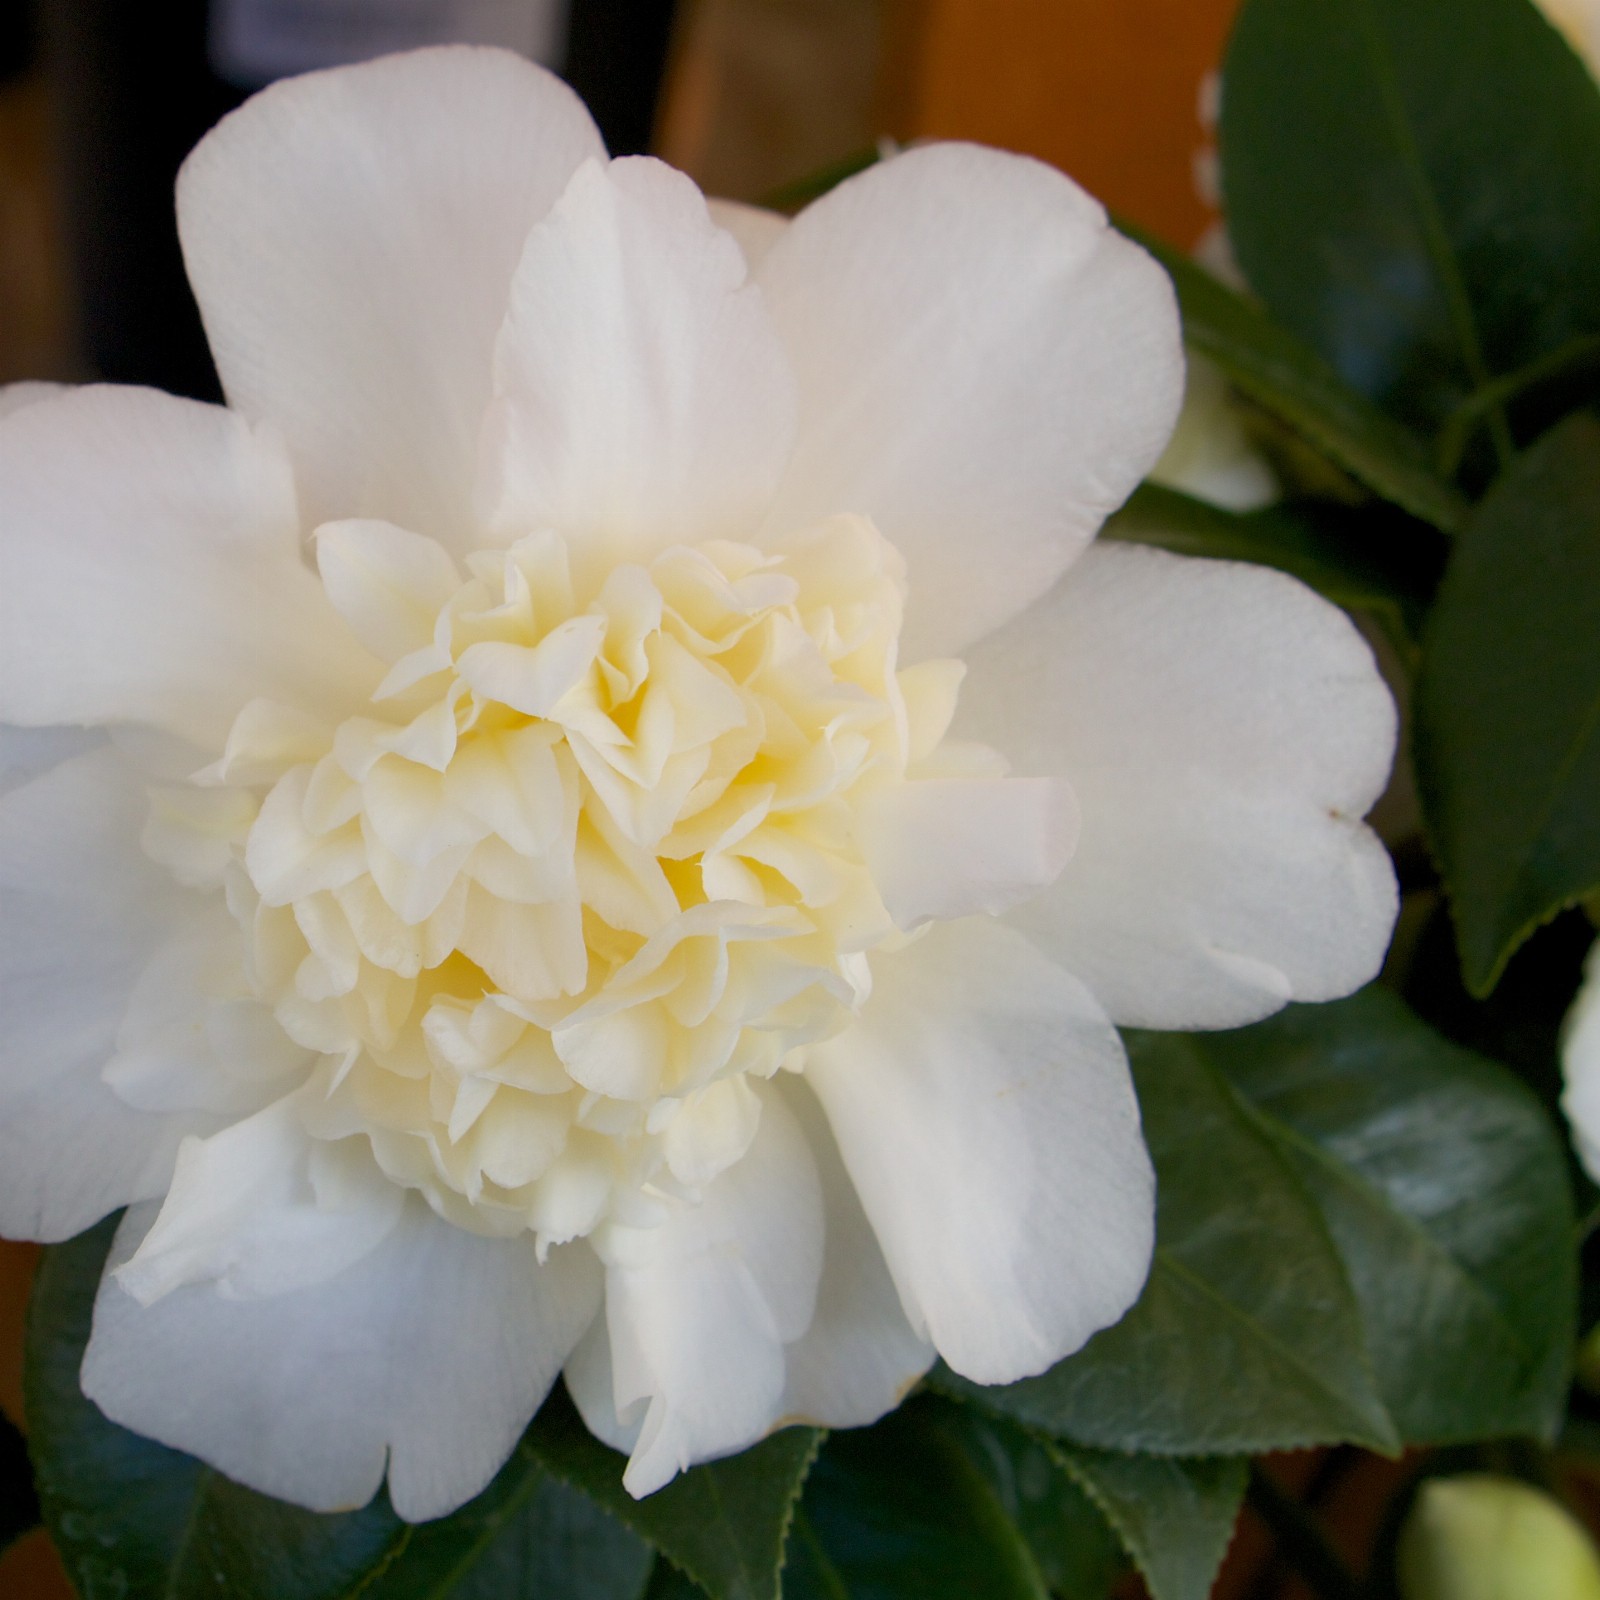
(986,369)
(150,570)
(589,788)
(261,1209)
(430,1353)
(984,1110)
(351,238)
(642,396)
(859,1357)
(81,909)
(699,1309)
(1224,731)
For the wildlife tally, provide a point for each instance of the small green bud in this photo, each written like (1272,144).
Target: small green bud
(1480,1537)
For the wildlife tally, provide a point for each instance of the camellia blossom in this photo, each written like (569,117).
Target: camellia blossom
(599,818)
(1580,1066)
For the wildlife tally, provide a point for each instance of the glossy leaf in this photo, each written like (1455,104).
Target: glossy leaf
(19,1504)
(1443,1185)
(1077,1553)
(1413,187)
(1248,1335)
(134,1519)
(1293,383)
(1175,1517)
(1508,703)
(722,1523)
(1326,547)
(902,1509)
(526,1537)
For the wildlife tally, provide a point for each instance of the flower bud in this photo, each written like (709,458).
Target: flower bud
(1480,1537)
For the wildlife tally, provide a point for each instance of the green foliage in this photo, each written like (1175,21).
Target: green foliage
(1293,383)
(1078,1553)
(722,1523)
(1413,188)
(527,1534)
(1508,703)
(1248,1335)
(1336,1177)
(1175,1516)
(906,1509)
(1441,1181)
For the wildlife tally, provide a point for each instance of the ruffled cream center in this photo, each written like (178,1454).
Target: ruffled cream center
(607,842)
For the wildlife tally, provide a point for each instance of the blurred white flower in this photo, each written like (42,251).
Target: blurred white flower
(1580,1066)
(492,883)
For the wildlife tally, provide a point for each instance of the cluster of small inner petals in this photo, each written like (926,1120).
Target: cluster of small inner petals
(591,857)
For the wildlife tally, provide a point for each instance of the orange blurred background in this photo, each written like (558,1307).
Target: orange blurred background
(762,92)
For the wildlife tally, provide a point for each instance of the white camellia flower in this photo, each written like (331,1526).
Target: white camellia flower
(1580,1065)
(507,870)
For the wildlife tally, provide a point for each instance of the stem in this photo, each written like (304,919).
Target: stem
(1573,356)
(1301,1541)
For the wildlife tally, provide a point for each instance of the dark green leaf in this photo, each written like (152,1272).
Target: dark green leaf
(1325,547)
(1291,382)
(1077,1554)
(133,1519)
(1444,1187)
(902,1509)
(667,1583)
(1508,703)
(1248,1335)
(19,1504)
(722,1523)
(526,1537)
(1413,187)
(1175,1517)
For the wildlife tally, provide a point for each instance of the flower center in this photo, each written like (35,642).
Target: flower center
(593,857)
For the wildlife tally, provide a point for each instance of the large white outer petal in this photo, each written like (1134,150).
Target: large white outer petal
(690,1365)
(986,370)
(81,910)
(350,236)
(431,1353)
(14,396)
(859,1357)
(1580,1066)
(29,753)
(1224,731)
(985,1113)
(150,570)
(642,396)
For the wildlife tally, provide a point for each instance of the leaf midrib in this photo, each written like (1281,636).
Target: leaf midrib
(1374,1197)
(1441,252)
(1267,1338)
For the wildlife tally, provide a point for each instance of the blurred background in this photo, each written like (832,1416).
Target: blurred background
(101,99)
